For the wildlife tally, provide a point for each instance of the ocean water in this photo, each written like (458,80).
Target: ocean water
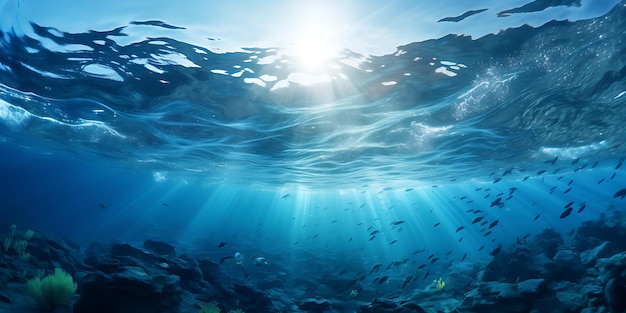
(213,123)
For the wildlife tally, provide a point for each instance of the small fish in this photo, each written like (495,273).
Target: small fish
(460,228)
(484,223)
(463,198)
(600,181)
(226,258)
(541,172)
(430,256)
(408,189)
(570,182)
(426,275)
(613,176)
(371,238)
(569,204)
(421,266)
(392,242)
(537,217)
(397,223)
(407,281)
(464,256)
(620,193)
(581,208)
(285,196)
(478,219)
(382,279)
(497,179)
(315,236)
(619,164)
(165,204)
(494,224)
(481,248)
(525,178)
(497,202)
(333,221)
(460,239)
(374,232)
(566,213)
(419,251)
(437,224)
(376,267)
(487,234)
(496,251)
(434,260)
(222,244)
(102,206)
(553,161)
(567,190)
(507,172)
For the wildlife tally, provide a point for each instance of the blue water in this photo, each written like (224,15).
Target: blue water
(126,126)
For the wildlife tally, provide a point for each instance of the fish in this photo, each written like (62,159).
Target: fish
(285,196)
(463,198)
(165,204)
(581,208)
(497,179)
(407,281)
(613,176)
(494,224)
(102,206)
(419,251)
(570,182)
(222,244)
(574,161)
(382,279)
(569,204)
(600,181)
(460,239)
(497,202)
(376,267)
(620,193)
(460,228)
(371,238)
(434,260)
(426,275)
(537,217)
(619,164)
(567,190)
(487,234)
(553,161)
(374,232)
(437,224)
(484,223)
(481,248)
(431,256)
(525,178)
(496,251)
(478,219)
(408,189)
(392,242)
(507,172)
(226,258)
(541,172)
(397,222)
(333,221)
(566,213)
(315,236)
(421,266)
(464,256)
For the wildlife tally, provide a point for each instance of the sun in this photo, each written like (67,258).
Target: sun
(315,47)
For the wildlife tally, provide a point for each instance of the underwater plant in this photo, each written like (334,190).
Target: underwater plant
(210,307)
(52,290)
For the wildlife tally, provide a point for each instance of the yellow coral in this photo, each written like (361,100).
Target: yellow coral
(209,308)
(439,284)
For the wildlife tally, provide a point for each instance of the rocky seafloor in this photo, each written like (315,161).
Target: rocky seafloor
(540,273)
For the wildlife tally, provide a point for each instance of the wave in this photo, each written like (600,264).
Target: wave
(436,110)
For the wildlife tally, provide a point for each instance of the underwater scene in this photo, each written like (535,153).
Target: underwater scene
(313,156)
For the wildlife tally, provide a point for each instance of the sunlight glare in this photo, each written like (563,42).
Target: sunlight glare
(315,47)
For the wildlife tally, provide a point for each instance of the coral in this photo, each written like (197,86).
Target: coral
(53,290)
(209,308)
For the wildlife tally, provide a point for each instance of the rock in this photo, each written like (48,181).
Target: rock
(532,286)
(131,291)
(159,248)
(314,305)
(569,266)
(383,305)
(589,257)
(614,292)
(547,242)
(4,297)
(252,300)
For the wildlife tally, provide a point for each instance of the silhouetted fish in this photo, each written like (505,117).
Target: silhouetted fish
(376,267)
(426,275)
(581,208)
(464,256)
(392,242)
(226,258)
(496,251)
(421,266)
(553,161)
(569,204)
(620,193)
(566,213)
(460,228)
(619,164)
(397,223)
(494,224)
(487,234)
(222,244)
(437,224)
(460,239)
(382,279)
(497,202)
(600,181)
(567,190)
(285,196)
(541,172)
(478,219)
(537,217)
(434,260)
(407,281)
(408,189)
